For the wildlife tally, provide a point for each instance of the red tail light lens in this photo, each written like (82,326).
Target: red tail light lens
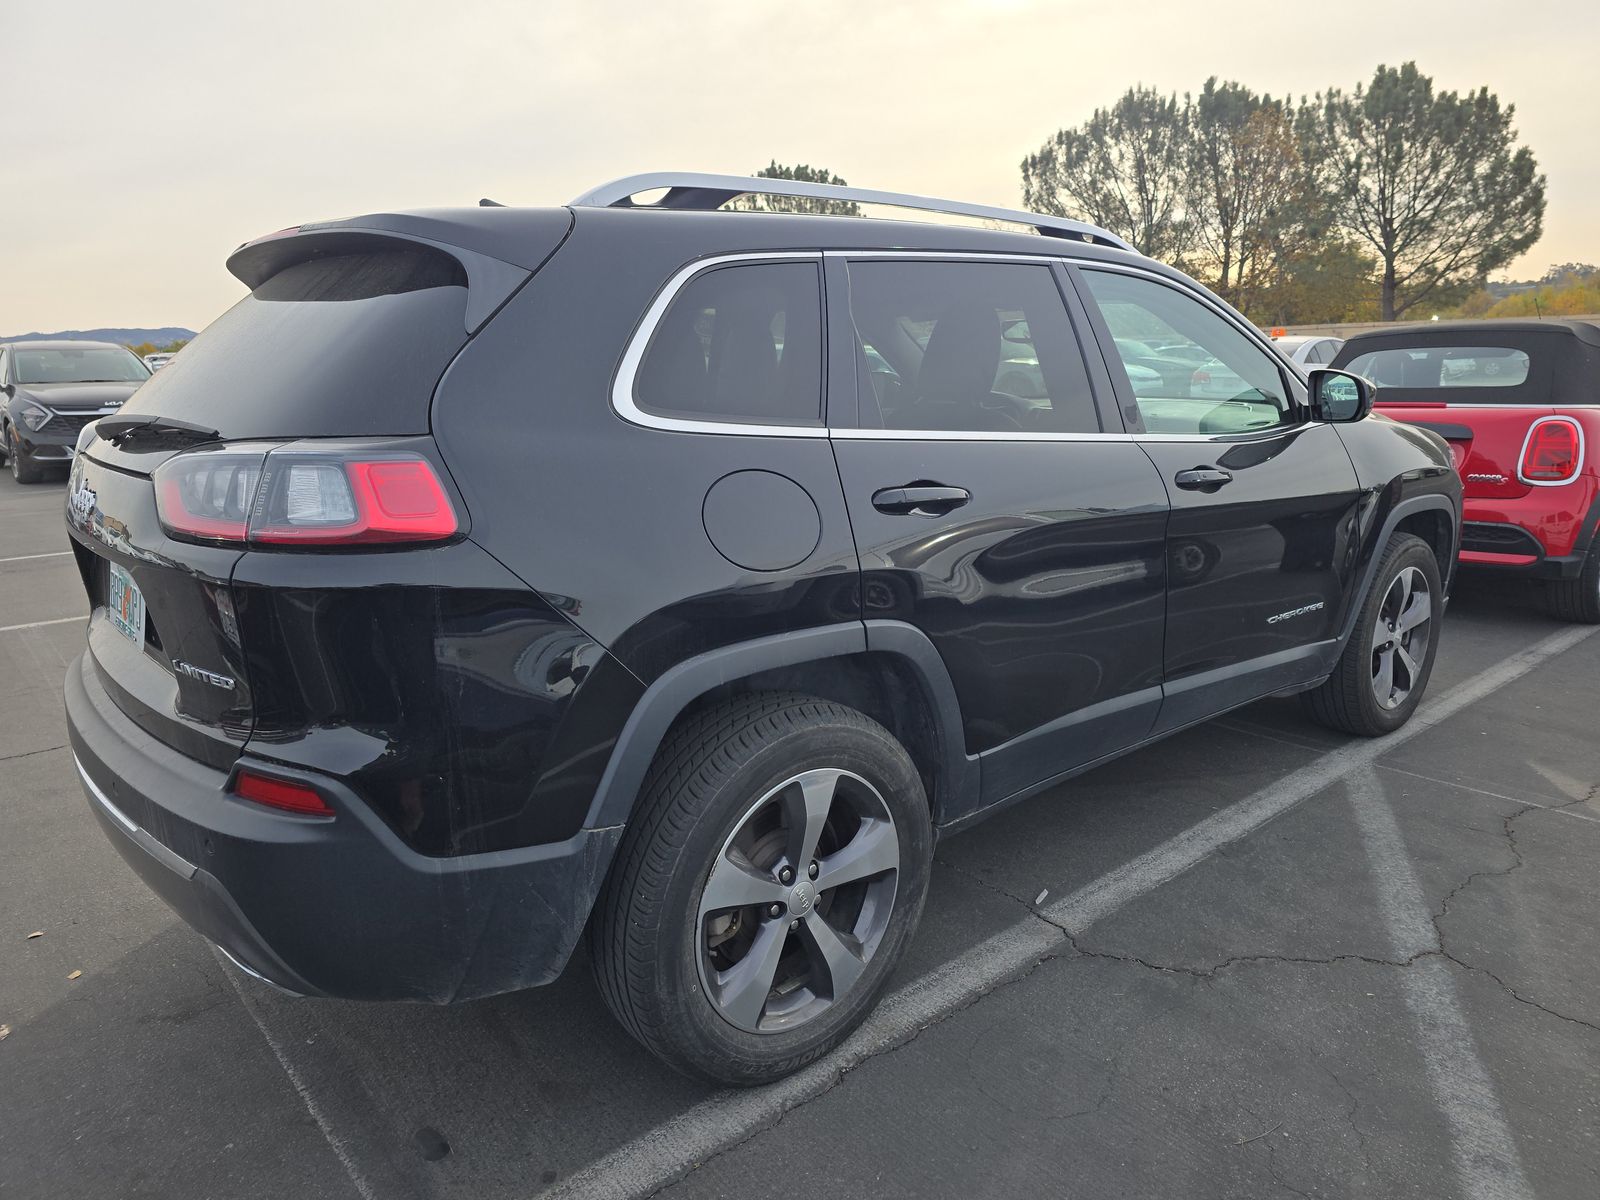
(207,497)
(1552,452)
(345,501)
(280,793)
(290,498)
(1201,378)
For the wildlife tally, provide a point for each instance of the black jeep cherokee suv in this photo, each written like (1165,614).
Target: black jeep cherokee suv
(489,576)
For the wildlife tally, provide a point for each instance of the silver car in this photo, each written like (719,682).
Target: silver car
(1314,350)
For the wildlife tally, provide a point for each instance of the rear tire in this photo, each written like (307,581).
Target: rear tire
(736,994)
(24,468)
(1379,681)
(1578,600)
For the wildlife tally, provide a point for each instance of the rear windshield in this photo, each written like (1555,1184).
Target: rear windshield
(340,346)
(1444,367)
(91,364)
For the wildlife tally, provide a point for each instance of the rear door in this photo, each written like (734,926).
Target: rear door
(994,511)
(1262,541)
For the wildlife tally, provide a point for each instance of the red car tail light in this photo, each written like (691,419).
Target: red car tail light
(1552,452)
(293,498)
(292,797)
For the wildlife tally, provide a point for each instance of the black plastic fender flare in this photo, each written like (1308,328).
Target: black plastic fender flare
(1405,508)
(680,686)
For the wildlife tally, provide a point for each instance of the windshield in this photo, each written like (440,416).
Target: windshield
(92,364)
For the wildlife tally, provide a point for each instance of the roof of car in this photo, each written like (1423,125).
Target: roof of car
(63,344)
(1585,331)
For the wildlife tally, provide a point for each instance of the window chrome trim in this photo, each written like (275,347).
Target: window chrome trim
(973,435)
(622,401)
(622,398)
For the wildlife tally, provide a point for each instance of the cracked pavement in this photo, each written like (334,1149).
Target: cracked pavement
(1249,1028)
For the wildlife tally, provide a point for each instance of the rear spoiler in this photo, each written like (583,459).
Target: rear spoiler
(499,249)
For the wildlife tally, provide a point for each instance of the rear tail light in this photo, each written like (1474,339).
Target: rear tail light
(1201,378)
(1552,451)
(292,498)
(284,794)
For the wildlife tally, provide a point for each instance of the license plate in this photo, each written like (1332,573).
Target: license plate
(126,606)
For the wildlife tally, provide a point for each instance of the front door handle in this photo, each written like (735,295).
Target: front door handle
(1202,479)
(920,500)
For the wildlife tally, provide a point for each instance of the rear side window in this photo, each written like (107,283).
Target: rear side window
(343,345)
(1444,367)
(739,343)
(966,347)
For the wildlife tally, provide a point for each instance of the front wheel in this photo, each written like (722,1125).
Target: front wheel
(1384,669)
(24,467)
(768,881)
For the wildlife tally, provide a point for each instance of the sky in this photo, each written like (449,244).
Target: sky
(147,140)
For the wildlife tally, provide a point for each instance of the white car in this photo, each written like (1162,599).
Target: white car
(156,361)
(1308,351)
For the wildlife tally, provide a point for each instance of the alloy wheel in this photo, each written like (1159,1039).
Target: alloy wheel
(1400,638)
(797,901)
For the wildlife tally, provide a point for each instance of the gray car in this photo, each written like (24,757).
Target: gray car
(50,390)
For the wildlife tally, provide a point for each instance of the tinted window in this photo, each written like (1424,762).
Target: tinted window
(967,347)
(739,343)
(342,345)
(91,364)
(1443,367)
(1190,369)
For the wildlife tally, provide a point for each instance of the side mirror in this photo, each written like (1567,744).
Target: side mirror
(1339,395)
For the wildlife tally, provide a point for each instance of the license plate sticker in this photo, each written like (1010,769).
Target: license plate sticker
(126,606)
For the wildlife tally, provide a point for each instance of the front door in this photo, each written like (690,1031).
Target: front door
(992,512)
(1262,541)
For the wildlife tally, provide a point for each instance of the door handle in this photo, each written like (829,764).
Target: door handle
(1202,479)
(920,500)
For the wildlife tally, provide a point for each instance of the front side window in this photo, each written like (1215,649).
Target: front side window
(739,343)
(1191,370)
(1443,367)
(91,364)
(966,347)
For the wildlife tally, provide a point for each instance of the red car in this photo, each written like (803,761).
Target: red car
(1519,403)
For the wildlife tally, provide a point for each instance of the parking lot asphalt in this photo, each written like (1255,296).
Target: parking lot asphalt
(1258,959)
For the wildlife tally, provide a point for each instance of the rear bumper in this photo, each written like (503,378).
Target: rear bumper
(1544,535)
(334,907)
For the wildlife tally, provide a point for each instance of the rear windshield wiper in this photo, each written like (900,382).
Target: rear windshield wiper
(126,429)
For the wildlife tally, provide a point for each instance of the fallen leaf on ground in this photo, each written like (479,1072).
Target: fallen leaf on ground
(5,1032)
(34,934)
(75,975)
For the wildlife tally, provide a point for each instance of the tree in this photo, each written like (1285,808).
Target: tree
(1434,183)
(1122,170)
(1247,200)
(797,204)
(1325,280)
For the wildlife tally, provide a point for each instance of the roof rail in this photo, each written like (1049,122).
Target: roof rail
(688,190)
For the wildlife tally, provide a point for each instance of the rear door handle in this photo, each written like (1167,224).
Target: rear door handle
(920,500)
(1202,479)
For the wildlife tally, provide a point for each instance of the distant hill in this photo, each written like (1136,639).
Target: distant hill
(164,336)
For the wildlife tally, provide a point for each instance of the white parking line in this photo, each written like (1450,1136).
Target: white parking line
(670,1150)
(42,624)
(32,557)
(1485,1152)
(336,1143)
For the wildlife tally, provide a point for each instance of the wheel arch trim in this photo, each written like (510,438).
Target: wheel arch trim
(680,686)
(1408,507)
